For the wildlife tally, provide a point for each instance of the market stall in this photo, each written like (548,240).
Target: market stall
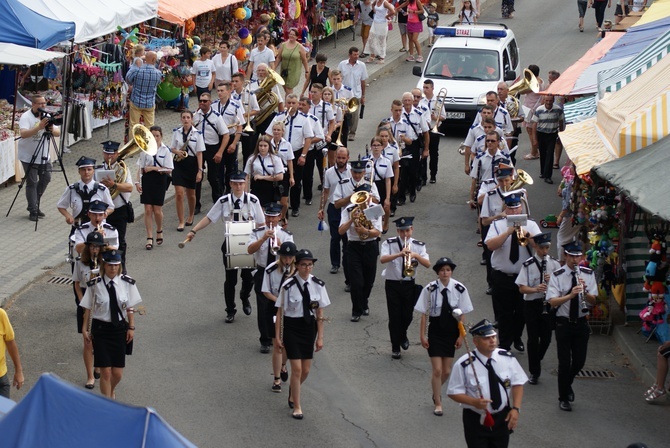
(22,26)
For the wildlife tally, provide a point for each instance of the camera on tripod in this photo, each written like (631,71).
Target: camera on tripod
(54,118)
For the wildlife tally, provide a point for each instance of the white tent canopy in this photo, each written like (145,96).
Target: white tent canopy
(95,18)
(11,54)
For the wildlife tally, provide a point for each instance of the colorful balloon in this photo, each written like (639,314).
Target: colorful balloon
(241,54)
(240,13)
(247,40)
(196,40)
(167,91)
(243,33)
(248,11)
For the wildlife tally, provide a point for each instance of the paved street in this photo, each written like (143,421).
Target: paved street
(210,382)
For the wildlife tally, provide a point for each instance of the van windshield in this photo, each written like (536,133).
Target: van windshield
(463,63)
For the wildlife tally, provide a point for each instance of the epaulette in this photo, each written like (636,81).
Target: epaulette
(253,199)
(432,286)
(270,269)
(72,187)
(128,279)
(108,226)
(460,288)
(318,281)
(83,226)
(393,239)
(489,181)
(303,114)
(347,88)
(555,259)
(350,207)
(288,232)
(492,192)
(313,117)
(259,229)
(101,187)
(528,262)
(481,154)
(503,111)
(94,281)
(289,283)
(559,271)
(197,131)
(175,129)
(586,270)
(474,126)
(419,243)
(224,199)
(466,362)
(505,353)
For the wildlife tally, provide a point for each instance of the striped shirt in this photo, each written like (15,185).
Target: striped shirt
(548,121)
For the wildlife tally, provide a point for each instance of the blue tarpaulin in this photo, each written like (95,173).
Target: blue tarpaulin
(636,39)
(57,414)
(22,26)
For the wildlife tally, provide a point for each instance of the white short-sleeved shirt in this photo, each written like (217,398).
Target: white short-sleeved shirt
(250,209)
(231,111)
(261,255)
(290,298)
(395,267)
(492,204)
(266,56)
(482,167)
(127,296)
(334,180)
(265,166)
(347,188)
(225,69)
(195,141)
(382,168)
(273,278)
(530,274)
(71,199)
(163,158)
(391,153)
(122,198)
(324,112)
(297,128)
(560,284)
(211,125)
(431,298)
(27,146)
(247,99)
(203,71)
(284,150)
(415,123)
(500,257)
(109,233)
(352,75)
(81,273)
(351,232)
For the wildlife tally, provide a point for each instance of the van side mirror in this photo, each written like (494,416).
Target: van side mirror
(416,71)
(510,75)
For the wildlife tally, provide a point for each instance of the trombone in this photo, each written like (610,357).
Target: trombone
(245,89)
(351,105)
(437,109)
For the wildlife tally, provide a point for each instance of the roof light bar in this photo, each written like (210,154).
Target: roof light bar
(450,31)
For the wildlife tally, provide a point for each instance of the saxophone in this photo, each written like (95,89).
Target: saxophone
(183,151)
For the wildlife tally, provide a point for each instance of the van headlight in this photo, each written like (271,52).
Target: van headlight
(481,100)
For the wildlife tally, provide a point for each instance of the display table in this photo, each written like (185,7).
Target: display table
(7,159)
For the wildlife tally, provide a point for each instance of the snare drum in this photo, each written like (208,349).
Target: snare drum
(237,236)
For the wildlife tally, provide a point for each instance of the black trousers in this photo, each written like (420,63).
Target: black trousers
(334,217)
(508,307)
(231,282)
(400,301)
(478,436)
(298,172)
(433,149)
(362,259)
(308,174)
(546,143)
(409,172)
(212,175)
(119,219)
(486,253)
(572,340)
(538,328)
(227,167)
(264,309)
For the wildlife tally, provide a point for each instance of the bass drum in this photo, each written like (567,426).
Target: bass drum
(237,236)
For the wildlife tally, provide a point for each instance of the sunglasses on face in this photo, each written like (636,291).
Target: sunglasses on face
(491,141)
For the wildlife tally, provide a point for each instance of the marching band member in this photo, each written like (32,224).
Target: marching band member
(300,135)
(323,110)
(480,383)
(118,219)
(342,92)
(187,146)
(439,332)
(506,262)
(276,274)
(284,150)
(392,153)
(110,300)
(567,287)
(400,285)
(417,102)
(246,97)
(533,280)
(235,206)
(475,135)
(79,195)
(215,135)
(233,116)
(91,257)
(262,73)
(263,243)
(480,147)
(318,143)
(299,325)
(264,171)
(328,96)
(382,173)
(362,248)
(500,114)
(96,214)
(428,104)
(417,142)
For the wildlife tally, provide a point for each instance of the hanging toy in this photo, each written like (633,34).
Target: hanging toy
(126,36)
(240,13)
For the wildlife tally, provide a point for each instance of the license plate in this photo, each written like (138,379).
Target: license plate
(455,115)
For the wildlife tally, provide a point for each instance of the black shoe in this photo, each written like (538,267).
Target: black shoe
(96,375)
(197,210)
(405,344)
(364,55)
(392,213)
(396,355)
(320,187)
(423,182)
(400,204)
(347,288)
(489,291)
(355,318)
(295,213)
(246,307)
(565,406)
(482,262)
(308,202)
(41,214)
(432,180)
(412,197)
(366,312)
(533,379)
(283,374)
(548,180)
(276,387)
(334,269)
(419,186)
(265,348)
(518,345)
(33,217)
(230,318)
(571,396)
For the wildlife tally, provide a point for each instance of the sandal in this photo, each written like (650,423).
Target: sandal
(283,373)
(655,394)
(150,244)
(419,59)
(159,240)
(555,166)
(410,58)
(180,228)
(370,60)
(530,157)
(380,61)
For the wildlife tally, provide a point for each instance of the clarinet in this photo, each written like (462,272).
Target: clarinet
(543,271)
(583,306)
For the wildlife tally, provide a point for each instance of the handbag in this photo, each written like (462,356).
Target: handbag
(422,17)
(129,207)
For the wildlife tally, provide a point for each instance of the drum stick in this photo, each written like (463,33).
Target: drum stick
(183,243)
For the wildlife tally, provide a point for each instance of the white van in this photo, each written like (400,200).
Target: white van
(468,61)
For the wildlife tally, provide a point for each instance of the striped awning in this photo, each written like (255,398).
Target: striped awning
(649,126)
(586,145)
(580,109)
(615,79)
(658,10)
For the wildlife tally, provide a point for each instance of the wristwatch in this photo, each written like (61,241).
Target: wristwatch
(516,409)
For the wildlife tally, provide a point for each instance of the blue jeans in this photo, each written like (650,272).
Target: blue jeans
(4,385)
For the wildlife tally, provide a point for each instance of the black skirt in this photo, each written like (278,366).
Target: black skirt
(185,172)
(153,188)
(109,344)
(264,190)
(80,311)
(299,338)
(442,339)
(286,183)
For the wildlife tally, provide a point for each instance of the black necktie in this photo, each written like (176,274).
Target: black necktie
(236,214)
(574,305)
(237,204)
(113,304)
(306,300)
(494,387)
(86,189)
(271,258)
(446,309)
(514,249)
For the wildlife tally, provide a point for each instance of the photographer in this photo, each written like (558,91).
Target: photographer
(33,124)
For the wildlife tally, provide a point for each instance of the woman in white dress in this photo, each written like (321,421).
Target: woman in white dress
(383,12)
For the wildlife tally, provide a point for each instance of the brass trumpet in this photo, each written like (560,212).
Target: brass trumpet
(523,236)
(274,246)
(352,105)
(409,264)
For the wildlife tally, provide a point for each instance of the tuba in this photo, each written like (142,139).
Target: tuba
(522,178)
(360,199)
(267,99)
(142,140)
(529,83)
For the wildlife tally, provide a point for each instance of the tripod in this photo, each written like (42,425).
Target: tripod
(47,137)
